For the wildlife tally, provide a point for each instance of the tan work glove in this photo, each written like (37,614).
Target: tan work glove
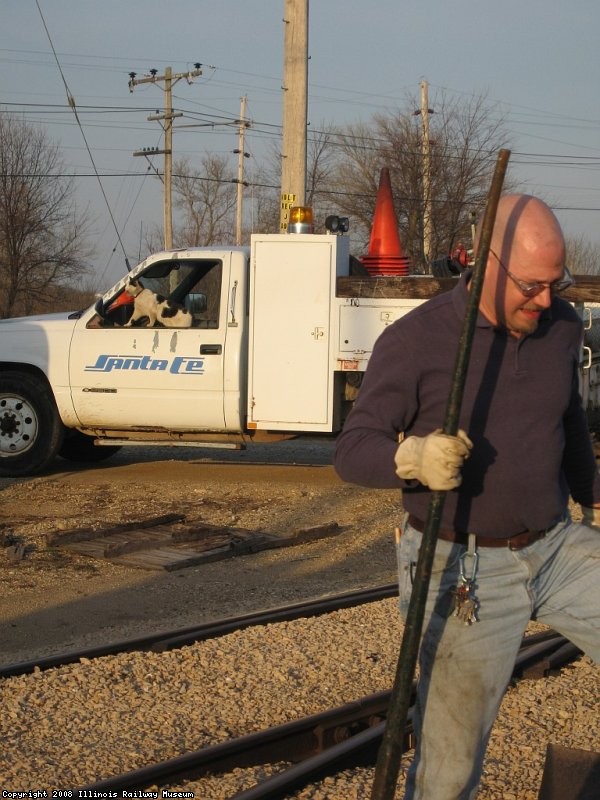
(434,460)
(591,517)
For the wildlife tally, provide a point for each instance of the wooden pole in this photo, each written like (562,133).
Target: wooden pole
(388,762)
(170,80)
(167,212)
(295,108)
(240,174)
(427,221)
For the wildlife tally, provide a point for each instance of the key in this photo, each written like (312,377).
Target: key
(465,602)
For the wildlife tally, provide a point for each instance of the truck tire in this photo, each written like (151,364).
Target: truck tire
(81,448)
(31,431)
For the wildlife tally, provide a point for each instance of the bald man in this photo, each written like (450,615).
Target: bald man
(508,550)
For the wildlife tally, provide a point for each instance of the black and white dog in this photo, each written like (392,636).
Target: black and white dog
(156,308)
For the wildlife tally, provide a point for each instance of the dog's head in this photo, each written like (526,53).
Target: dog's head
(133,287)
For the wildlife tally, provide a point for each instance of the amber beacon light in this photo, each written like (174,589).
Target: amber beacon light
(301,220)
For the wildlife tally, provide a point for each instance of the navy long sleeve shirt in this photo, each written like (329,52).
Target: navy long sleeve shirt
(521,408)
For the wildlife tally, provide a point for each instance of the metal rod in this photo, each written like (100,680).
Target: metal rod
(388,761)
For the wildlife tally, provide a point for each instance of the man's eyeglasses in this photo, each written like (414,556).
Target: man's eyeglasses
(533,289)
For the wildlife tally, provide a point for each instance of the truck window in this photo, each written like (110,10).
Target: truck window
(203,298)
(196,285)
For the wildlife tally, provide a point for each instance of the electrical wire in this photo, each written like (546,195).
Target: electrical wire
(71,102)
(266,129)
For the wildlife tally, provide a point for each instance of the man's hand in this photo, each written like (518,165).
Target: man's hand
(591,516)
(434,460)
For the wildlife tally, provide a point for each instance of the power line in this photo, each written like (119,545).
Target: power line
(271,129)
(259,185)
(342,94)
(71,101)
(82,108)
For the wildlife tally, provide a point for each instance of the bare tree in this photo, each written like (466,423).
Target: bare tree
(206,201)
(42,237)
(464,137)
(583,256)
(320,167)
(343,168)
(465,149)
(360,153)
(206,198)
(262,197)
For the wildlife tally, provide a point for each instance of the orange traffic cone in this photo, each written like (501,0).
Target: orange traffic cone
(385,251)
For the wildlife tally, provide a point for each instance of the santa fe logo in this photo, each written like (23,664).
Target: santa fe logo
(180,365)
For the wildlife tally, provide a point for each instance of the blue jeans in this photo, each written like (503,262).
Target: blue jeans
(465,669)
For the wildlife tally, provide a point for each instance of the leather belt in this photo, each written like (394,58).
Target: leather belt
(516,542)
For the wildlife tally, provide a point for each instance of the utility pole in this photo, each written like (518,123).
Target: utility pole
(240,174)
(295,108)
(427,223)
(169,79)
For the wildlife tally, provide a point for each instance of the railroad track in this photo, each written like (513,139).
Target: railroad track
(170,640)
(318,745)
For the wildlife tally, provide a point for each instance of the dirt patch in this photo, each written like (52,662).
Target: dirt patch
(55,600)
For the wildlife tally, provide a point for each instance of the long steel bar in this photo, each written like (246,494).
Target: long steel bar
(388,763)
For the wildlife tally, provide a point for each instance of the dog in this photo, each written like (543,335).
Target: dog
(156,308)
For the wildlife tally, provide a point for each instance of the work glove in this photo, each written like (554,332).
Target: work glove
(591,516)
(434,460)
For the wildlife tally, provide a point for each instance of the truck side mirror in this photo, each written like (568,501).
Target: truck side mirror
(196,302)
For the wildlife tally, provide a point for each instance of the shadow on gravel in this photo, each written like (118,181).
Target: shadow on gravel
(317,451)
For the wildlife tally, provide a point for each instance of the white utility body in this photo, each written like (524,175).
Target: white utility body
(303,338)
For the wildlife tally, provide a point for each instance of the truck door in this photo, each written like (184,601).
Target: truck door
(164,378)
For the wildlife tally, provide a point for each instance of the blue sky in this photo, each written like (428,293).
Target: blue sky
(537,60)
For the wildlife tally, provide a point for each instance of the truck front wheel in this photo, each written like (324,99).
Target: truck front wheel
(31,431)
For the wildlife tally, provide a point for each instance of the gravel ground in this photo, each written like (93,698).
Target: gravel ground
(57,601)
(79,723)
(76,724)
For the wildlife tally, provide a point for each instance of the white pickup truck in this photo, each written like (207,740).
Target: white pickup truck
(281,334)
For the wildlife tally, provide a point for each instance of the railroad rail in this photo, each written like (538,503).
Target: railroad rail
(181,637)
(318,745)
